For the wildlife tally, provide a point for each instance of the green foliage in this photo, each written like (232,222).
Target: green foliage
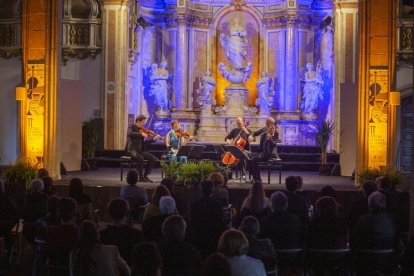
(397,178)
(19,172)
(325,132)
(190,172)
(90,137)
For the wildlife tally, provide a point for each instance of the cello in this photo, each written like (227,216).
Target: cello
(228,158)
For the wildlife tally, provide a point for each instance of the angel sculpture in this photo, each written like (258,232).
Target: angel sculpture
(312,90)
(207,84)
(159,87)
(265,89)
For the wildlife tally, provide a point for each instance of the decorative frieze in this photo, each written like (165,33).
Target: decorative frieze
(405,50)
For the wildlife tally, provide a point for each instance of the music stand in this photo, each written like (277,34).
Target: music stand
(239,154)
(184,150)
(196,152)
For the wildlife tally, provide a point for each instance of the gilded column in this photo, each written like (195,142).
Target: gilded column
(181,67)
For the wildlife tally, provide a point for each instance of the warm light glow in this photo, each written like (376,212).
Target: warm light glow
(395,98)
(20,93)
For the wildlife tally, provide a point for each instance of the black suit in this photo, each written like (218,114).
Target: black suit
(136,147)
(267,150)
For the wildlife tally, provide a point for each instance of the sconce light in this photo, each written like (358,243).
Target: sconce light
(395,98)
(20,93)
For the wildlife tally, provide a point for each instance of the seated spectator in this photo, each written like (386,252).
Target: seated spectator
(296,202)
(330,191)
(256,204)
(283,228)
(360,206)
(9,215)
(82,199)
(135,195)
(91,257)
(327,230)
(216,264)
(179,201)
(35,203)
(261,249)
(300,191)
(52,217)
(60,240)
(220,193)
(118,232)
(234,245)
(206,221)
(48,189)
(146,260)
(178,257)
(392,196)
(42,173)
(153,209)
(151,227)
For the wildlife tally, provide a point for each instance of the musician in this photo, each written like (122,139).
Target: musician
(174,140)
(136,146)
(241,131)
(269,138)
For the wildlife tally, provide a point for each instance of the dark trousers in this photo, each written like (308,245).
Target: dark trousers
(254,164)
(140,157)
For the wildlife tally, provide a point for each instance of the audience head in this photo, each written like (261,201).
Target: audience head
(386,183)
(256,196)
(250,226)
(326,207)
(42,173)
(159,192)
(328,191)
(279,201)
(217,265)
(167,205)
(169,183)
(206,187)
(173,228)
(299,180)
(49,189)
(217,179)
(146,260)
(67,210)
(377,202)
(132,177)
(88,232)
(118,209)
(53,204)
(291,183)
(36,186)
(233,243)
(2,186)
(75,187)
(378,181)
(369,187)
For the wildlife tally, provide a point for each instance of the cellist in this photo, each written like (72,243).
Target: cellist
(240,132)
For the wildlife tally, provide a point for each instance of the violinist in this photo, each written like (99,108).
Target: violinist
(241,131)
(175,138)
(269,137)
(137,140)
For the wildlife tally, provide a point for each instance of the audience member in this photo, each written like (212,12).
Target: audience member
(35,203)
(219,192)
(91,257)
(216,264)
(283,229)
(296,202)
(256,204)
(179,257)
(42,173)
(181,205)
(330,191)
(153,209)
(82,199)
(235,246)
(151,227)
(146,260)
(9,216)
(60,240)
(118,232)
(49,188)
(206,221)
(360,206)
(300,191)
(52,217)
(135,195)
(392,196)
(261,249)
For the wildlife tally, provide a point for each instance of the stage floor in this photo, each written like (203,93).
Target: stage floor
(110,177)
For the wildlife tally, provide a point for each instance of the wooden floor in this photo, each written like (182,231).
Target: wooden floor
(110,177)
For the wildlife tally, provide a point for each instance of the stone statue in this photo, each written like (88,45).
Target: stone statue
(312,91)
(207,84)
(236,44)
(159,88)
(265,91)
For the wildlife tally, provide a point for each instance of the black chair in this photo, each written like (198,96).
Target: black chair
(375,261)
(290,260)
(270,165)
(327,261)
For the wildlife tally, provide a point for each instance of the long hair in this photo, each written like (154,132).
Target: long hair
(159,192)
(256,197)
(75,188)
(82,253)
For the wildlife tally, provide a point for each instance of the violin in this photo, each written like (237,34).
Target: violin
(149,132)
(186,135)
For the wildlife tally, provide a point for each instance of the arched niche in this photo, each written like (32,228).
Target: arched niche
(252,20)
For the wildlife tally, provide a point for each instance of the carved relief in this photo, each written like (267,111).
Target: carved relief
(405,51)
(10,29)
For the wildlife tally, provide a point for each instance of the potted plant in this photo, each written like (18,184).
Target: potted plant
(397,178)
(90,136)
(322,136)
(18,177)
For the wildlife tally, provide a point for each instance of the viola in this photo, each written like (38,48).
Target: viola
(186,135)
(149,132)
